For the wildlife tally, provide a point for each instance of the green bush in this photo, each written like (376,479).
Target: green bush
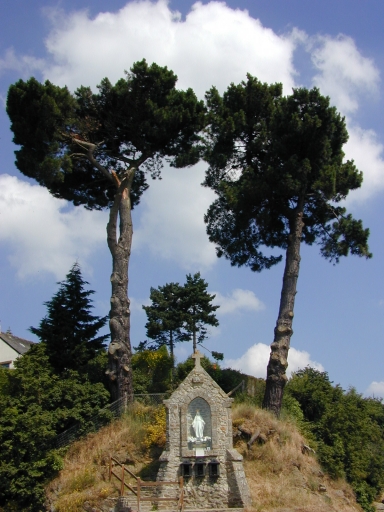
(348,428)
(36,404)
(152,371)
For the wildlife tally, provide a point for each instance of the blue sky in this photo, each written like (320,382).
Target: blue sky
(339,312)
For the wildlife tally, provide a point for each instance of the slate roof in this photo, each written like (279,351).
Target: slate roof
(19,344)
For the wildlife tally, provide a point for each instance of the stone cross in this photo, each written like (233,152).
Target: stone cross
(197,356)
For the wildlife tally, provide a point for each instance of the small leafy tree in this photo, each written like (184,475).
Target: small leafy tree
(97,150)
(152,370)
(69,331)
(277,166)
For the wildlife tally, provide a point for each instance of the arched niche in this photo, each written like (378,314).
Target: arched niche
(199,425)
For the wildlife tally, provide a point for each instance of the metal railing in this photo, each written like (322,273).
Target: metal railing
(103,417)
(150,398)
(241,386)
(140,484)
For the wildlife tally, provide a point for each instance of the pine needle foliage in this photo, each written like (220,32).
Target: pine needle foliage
(180,313)
(69,330)
(277,166)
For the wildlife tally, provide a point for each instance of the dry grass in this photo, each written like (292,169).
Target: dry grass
(85,478)
(281,477)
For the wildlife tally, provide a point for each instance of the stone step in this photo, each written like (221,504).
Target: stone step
(125,504)
(129,504)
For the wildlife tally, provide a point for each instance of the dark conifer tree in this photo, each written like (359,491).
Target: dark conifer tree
(69,330)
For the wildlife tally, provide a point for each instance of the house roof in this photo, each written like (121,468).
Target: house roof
(19,344)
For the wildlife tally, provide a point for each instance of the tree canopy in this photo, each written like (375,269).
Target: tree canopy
(69,331)
(96,150)
(180,313)
(277,166)
(164,316)
(197,309)
(80,145)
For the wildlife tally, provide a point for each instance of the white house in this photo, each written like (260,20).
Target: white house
(11,347)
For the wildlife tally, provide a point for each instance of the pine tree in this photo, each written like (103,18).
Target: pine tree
(98,150)
(197,309)
(69,330)
(180,313)
(165,316)
(278,169)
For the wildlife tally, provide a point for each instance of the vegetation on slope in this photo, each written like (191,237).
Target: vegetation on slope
(36,404)
(345,429)
(282,474)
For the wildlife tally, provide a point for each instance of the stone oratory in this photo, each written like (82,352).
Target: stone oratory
(199,445)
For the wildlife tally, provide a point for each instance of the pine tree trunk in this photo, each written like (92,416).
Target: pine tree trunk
(276,376)
(171,352)
(171,343)
(119,351)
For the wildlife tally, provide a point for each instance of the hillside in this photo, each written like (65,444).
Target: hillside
(282,473)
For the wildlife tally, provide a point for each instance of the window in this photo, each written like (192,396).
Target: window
(214,469)
(186,469)
(200,469)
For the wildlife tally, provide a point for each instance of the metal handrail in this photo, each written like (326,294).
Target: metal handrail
(242,383)
(140,484)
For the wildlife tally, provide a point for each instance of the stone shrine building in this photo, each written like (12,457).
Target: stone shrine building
(199,445)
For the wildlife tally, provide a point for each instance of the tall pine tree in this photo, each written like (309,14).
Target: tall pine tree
(69,330)
(98,150)
(277,166)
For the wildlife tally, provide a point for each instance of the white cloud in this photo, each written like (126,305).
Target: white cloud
(171,224)
(238,300)
(42,233)
(214,45)
(344,73)
(375,389)
(365,149)
(255,360)
(25,65)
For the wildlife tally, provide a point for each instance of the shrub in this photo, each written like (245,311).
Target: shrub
(349,430)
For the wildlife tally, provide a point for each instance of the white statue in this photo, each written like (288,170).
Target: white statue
(198,425)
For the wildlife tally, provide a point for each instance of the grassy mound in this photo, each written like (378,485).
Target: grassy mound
(282,472)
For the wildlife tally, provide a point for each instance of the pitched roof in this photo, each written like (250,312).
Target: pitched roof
(19,344)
